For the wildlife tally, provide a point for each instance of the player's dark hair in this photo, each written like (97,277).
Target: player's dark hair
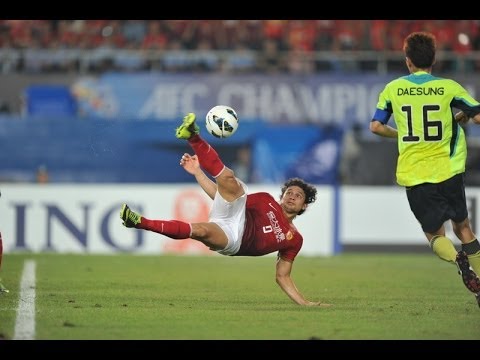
(420,48)
(309,190)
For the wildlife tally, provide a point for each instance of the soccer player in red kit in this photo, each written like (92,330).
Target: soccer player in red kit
(240,224)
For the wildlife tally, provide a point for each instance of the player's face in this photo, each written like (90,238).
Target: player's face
(293,200)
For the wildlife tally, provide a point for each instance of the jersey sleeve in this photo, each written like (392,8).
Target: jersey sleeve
(465,102)
(383,111)
(289,254)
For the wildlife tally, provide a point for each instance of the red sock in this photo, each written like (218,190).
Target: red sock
(207,156)
(172,228)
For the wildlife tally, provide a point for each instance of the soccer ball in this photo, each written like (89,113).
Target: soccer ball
(221,121)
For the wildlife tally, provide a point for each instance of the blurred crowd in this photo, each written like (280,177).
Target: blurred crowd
(214,45)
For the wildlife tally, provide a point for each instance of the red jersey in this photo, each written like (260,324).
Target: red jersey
(268,230)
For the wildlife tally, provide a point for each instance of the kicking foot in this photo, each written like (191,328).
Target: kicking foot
(470,279)
(188,127)
(129,217)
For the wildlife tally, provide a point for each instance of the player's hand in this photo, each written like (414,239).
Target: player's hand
(190,163)
(461,118)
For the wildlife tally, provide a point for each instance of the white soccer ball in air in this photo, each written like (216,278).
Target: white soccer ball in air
(221,121)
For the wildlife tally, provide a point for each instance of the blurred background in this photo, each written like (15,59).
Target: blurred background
(96,88)
(97,101)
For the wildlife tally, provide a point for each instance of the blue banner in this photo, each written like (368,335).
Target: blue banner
(49,100)
(339,100)
(310,152)
(98,151)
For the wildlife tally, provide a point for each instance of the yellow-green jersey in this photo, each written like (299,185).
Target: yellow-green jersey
(431,144)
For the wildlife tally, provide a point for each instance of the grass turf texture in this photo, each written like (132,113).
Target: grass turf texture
(374,296)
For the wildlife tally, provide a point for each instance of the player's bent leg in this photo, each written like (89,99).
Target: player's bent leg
(470,244)
(229,187)
(463,230)
(210,234)
(470,279)
(207,155)
(442,247)
(473,259)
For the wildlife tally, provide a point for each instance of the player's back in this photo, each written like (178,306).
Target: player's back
(431,144)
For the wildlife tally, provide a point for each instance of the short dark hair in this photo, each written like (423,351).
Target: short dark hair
(309,190)
(420,48)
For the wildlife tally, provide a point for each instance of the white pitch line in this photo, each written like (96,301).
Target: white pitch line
(25,323)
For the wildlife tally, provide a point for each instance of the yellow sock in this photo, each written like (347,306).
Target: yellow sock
(474,261)
(473,252)
(443,247)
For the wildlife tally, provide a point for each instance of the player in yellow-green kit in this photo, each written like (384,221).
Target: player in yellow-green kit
(432,152)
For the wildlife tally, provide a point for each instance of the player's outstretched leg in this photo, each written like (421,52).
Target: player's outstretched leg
(188,127)
(129,217)
(470,279)
(174,229)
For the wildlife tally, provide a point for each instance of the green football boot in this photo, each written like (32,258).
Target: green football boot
(129,217)
(188,127)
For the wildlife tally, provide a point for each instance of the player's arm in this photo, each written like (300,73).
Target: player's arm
(284,268)
(463,118)
(468,106)
(384,130)
(380,118)
(476,119)
(192,166)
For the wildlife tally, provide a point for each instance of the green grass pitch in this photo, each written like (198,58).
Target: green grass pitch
(137,297)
